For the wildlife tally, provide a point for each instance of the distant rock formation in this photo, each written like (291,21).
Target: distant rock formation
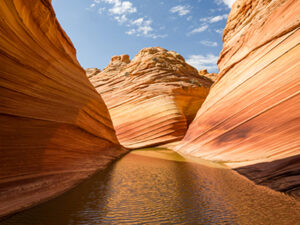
(90,72)
(152,98)
(212,76)
(55,129)
(250,118)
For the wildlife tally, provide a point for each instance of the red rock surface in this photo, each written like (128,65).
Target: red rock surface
(152,98)
(251,114)
(55,129)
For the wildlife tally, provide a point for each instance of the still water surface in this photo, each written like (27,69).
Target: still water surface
(161,187)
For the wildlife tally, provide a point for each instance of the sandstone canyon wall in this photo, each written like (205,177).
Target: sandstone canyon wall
(152,98)
(55,129)
(250,119)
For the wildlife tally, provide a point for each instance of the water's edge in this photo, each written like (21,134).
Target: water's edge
(162,186)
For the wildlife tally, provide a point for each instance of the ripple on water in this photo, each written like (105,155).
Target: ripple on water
(161,187)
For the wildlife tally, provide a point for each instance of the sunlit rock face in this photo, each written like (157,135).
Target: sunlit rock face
(90,72)
(212,76)
(152,98)
(251,114)
(55,129)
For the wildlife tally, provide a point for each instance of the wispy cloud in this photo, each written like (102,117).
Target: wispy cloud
(214,19)
(209,20)
(209,43)
(218,18)
(229,3)
(208,62)
(198,30)
(142,27)
(120,10)
(181,10)
(121,19)
(219,31)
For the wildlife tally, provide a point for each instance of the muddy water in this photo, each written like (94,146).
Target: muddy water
(161,187)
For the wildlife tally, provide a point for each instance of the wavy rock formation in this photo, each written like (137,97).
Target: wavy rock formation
(212,76)
(152,98)
(55,129)
(250,118)
(90,72)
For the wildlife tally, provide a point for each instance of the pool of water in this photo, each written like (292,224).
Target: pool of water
(162,187)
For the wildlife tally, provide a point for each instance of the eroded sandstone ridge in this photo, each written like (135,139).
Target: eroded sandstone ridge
(55,129)
(152,98)
(212,76)
(251,114)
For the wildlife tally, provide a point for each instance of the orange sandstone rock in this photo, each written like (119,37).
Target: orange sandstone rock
(251,114)
(90,72)
(152,98)
(55,129)
(212,76)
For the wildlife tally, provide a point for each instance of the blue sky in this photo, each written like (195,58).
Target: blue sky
(101,29)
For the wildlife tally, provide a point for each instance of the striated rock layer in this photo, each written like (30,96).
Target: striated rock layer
(212,76)
(250,118)
(152,98)
(55,129)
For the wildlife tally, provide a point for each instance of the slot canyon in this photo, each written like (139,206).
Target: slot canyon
(150,140)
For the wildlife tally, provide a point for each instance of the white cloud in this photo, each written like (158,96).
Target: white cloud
(121,19)
(218,18)
(121,11)
(208,62)
(138,21)
(131,32)
(219,31)
(199,29)
(214,19)
(229,3)
(180,9)
(120,8)
(143,27)
(92,6)
(209,43)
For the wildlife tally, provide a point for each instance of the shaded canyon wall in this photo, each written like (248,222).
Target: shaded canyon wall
(250,119)
(55,129)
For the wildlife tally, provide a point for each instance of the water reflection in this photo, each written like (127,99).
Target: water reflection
(163,188)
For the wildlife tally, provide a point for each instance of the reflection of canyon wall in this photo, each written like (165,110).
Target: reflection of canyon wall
(251,114)
(54,127)
(151,99)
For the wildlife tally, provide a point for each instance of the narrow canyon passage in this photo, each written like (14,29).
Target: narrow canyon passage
(159,186)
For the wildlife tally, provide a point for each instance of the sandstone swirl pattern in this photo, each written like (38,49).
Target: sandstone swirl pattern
(251,114)
(152,98)
(55,129)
